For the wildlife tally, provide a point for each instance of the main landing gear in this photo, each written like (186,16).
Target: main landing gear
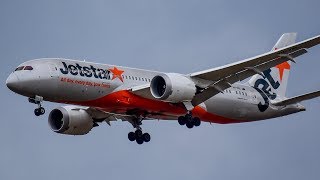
(189,121)
(138,135)
(37,100)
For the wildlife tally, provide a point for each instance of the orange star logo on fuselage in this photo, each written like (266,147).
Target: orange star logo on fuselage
(116,73)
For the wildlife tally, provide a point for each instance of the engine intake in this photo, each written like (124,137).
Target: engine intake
(67,120)
(172,87)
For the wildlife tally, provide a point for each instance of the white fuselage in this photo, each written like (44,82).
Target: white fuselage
(107,87)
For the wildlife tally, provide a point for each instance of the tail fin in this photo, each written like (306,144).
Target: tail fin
(275,80)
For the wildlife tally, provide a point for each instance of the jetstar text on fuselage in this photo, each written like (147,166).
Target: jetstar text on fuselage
(85,71)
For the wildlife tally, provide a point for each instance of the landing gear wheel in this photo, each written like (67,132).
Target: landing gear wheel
(189,124)
(146,137)
(139,140)
(37,112)
(181,120)
(196,121)
(42,110)
(138,133)
(189,120)
(131,136)
(139,137)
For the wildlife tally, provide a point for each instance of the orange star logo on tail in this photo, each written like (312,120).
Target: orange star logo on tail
(117,73)
(282,67)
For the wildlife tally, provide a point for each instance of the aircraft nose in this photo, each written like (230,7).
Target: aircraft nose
(13,82)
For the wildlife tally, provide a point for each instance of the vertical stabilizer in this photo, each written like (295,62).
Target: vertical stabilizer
(275,80)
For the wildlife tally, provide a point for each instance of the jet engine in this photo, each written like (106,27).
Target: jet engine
(70,120)
(172,87)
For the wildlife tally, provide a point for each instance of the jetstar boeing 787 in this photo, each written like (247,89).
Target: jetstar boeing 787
(101,92)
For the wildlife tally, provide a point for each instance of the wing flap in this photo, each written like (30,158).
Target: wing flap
(100,115)
(298,99)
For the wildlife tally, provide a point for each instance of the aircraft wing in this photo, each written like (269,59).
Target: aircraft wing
(96,114)
(223,77)
(99,116)
(298,99)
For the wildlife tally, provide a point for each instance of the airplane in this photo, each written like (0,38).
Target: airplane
(99,93)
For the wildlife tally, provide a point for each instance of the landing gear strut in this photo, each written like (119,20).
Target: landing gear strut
(138,135)
(189,120)
(37,100)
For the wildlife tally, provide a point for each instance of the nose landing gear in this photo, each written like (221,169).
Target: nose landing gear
(37,100)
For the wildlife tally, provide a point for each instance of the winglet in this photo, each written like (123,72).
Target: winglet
(285,40)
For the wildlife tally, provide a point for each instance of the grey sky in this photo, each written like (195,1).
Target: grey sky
(173,36)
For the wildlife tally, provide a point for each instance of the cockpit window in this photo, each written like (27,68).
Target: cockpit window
(19,68)
(28,68)
(24,68)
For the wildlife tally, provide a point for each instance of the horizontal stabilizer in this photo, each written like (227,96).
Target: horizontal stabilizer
(298,99)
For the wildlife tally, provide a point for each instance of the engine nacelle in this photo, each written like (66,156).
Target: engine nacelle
(172,87)
(68,120)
